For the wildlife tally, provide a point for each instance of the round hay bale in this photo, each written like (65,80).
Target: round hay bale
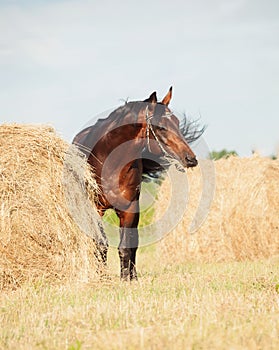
(39,194)
(243,220)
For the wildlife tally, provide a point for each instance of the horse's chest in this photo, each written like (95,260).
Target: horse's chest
(123,186)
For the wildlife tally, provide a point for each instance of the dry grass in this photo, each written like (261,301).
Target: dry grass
(183,306)
(243,220)
(39,237)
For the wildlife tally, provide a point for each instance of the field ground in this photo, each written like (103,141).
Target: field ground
(184,306)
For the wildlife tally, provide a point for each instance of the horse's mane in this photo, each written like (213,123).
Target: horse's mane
(191,129)
(116,117)
(86,139)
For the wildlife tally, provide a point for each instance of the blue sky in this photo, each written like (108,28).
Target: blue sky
(62,62)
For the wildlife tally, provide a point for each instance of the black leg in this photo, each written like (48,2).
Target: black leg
(124,255)
(127,253)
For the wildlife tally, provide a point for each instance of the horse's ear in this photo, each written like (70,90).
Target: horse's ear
(167,98)
(152,98)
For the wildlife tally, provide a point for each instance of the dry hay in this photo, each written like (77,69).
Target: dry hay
(38,236)
(243,220)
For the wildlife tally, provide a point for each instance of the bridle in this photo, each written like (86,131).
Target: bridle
(149,128)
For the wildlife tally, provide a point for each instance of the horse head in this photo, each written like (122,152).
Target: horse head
(163,135)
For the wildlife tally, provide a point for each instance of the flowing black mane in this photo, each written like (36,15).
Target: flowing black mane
(191,129)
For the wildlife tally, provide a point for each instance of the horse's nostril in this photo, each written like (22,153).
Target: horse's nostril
(191,161)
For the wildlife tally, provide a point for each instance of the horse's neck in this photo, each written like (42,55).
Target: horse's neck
(126,141)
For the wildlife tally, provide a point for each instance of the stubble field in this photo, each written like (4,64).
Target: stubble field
(184,306)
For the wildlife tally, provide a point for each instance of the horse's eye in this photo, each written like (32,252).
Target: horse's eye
(162,128)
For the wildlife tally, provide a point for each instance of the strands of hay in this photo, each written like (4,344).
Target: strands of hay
(41,195)
(243,220)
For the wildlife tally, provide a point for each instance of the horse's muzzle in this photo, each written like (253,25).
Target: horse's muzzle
(191,161)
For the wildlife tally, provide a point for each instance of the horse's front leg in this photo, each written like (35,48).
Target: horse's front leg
(128,242)
(127,253)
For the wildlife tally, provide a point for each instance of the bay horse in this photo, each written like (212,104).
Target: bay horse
(141,137)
